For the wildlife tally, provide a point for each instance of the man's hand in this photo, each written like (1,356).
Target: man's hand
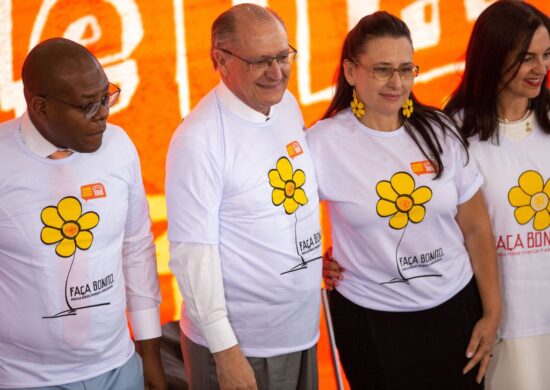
(332,271)
(153,372)
(234,371)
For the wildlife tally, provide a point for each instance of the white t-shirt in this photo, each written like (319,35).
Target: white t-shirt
(250,188)
(406,260)
(521,161)
(63,300)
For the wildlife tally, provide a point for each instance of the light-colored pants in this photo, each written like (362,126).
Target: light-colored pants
(129,376)
(520,364)
(293,371)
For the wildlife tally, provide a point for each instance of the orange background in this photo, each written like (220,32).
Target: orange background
(170,69)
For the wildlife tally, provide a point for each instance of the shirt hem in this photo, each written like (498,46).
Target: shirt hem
(380,307)
(113,366)
(270,352)
(525,333)
(257,352)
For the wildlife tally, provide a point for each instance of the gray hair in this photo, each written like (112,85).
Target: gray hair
(225,25)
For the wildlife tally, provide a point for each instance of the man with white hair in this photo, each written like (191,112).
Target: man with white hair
(243,217)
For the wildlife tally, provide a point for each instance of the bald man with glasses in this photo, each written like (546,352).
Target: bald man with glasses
(76,248)
(243,217)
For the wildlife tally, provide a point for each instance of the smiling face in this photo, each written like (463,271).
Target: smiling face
(259,89)
(66,126)
(382,98)
(528,81)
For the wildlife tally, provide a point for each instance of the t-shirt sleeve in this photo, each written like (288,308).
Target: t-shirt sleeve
(468,179)
(193,190)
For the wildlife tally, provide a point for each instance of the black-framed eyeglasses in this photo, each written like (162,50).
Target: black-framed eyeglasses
(263,63)
(90,109)
(385,72)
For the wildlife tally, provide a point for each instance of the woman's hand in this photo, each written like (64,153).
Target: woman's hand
(474,222)
(480,347)
(332,272)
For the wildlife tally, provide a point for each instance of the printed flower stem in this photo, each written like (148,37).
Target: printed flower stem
(296,238)
(402,278)
(397,257)
(67,282)
(303,263)
(72,310)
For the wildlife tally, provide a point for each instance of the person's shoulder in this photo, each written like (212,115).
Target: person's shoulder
(475,142)
(331,133)
(442,124)
(201,129)
(117,144)
(116,135)
(289,98)
(288,107)
(8,140)
(7,128)
(205,112)
(201,121)
(115,130)
(334,126)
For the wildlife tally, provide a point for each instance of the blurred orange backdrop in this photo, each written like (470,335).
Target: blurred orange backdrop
(158,53)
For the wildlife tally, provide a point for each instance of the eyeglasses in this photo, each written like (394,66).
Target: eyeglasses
(90,109)
(383,72)
(264,63)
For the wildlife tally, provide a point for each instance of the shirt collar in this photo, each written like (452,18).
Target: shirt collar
(238,107)
(33,139)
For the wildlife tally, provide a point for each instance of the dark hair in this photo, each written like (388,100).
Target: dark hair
(420,125)
(46,64)
(502,28)
(225,25)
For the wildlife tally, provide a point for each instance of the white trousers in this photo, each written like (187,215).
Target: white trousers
(520,364)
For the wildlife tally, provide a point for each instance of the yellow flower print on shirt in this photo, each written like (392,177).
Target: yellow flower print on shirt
(287,185)
(400,200)
(531,199)
(67,226)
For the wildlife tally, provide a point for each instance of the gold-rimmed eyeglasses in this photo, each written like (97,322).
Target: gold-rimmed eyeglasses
(91,108)
(264,63)
(385,72)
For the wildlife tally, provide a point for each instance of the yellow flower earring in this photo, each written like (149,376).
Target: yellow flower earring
(408,108)
(357,107)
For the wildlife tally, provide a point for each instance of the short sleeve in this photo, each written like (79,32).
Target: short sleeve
(468,179)
(193,190)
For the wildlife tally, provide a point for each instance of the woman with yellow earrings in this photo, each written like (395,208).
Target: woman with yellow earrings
(413,273)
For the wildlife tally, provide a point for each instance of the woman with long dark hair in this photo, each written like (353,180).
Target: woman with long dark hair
(418,305)
(502,105)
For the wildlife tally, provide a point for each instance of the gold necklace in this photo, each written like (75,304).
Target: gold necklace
(508,122)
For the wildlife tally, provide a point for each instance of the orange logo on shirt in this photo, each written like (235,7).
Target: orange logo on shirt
(294,149)
(423,167)
(93,191)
